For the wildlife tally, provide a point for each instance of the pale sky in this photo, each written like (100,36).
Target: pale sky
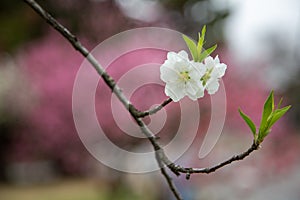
(266,31)
(253,21)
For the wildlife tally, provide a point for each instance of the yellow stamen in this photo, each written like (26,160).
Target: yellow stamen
(184,76)
(206,76)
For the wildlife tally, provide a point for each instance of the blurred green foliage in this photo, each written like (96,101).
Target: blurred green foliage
(70,189)
(17,25)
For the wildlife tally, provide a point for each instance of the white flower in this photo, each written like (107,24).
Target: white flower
(214,71)
(182,77)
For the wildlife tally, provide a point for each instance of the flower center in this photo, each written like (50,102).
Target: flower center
(184,76)
(206,76)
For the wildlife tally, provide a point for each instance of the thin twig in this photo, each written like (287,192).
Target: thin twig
(186,170)
(154,110)
(172,186)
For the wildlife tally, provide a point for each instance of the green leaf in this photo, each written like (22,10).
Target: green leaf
(280,102)
(207,52)
(278,114)
(249,122)
(201,40)
(262,135)
(192,47)
(270,116)
(267,111)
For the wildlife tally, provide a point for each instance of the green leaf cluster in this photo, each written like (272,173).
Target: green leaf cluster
(270,116)
(196,49)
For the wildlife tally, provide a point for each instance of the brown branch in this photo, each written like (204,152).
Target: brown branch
(167,177)
(154,110)
(179,169)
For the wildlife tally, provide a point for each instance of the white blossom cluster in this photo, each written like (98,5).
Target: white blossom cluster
(184,77)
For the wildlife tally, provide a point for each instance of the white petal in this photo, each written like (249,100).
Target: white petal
(217,60)
(168,74)
(212,87)
(195,91)
(181,65)
(175,92)
(196,75)
(172,56)
(209,62)
(198,67)
(218,71)
(183,54)
(200,93)
(192,97)
(191,87)
(221,69)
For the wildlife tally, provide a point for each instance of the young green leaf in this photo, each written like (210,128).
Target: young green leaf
(207,52)
(280,102)
(278,114)
(268,108)
(192,47)
(249,122)
(201,40)
(261,135)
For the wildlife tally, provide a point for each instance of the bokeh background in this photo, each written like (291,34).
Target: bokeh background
(41,155)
